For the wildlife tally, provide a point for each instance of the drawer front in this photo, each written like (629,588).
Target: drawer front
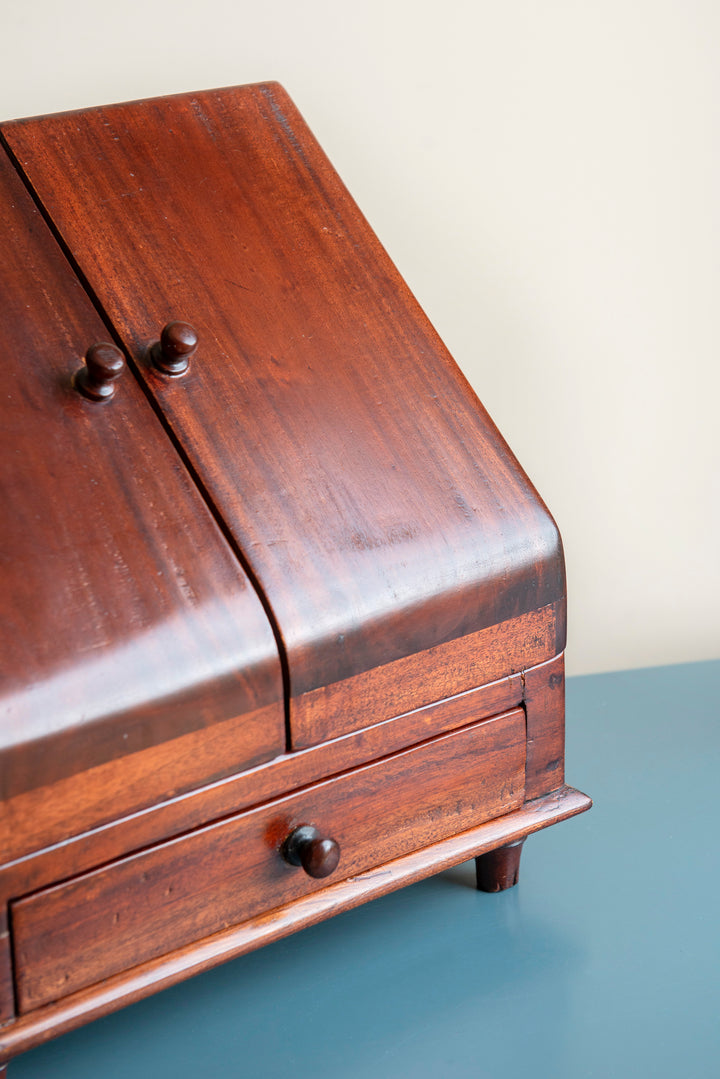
(77,933)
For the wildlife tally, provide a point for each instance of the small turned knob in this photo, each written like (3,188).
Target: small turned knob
(104,364)
(305,846)
(171,354)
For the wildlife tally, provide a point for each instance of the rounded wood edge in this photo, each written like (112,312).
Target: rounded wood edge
(54,1019)
(270,779)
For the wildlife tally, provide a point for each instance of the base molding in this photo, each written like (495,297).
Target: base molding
(54,1019)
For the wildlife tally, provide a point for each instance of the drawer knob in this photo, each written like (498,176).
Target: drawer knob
(317,855)
(171,354)
(104,364)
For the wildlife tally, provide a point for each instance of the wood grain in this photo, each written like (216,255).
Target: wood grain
(7,989)
(544,699)
(375,501)
(126,619)
(402,557)
(475,660)
(71,935)
(223,798)
(42,1024)
(46,815)
(70,806)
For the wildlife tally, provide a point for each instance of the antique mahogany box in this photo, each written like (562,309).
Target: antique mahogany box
(282,617)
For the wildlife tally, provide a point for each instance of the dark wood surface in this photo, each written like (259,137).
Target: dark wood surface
(544,699)
(74,934)
(220,799)
(373,498)
(126,619)
(499,869)
(97,377)
(413,681)
(114,789)
(402,579)
(106,793)
(7,989)
(306,846)
(45,1023)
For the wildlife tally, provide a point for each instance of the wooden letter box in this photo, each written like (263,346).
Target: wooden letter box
(280,608)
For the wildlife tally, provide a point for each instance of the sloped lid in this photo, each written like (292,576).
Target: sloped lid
(379,509)
(126,619)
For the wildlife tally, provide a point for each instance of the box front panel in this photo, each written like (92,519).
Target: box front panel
(80,932)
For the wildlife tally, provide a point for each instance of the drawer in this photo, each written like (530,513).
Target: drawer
(79,932)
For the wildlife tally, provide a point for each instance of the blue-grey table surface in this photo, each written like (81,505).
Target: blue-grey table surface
(604,961)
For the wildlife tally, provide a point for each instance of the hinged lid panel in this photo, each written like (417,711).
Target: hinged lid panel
(379,508)
(126,619)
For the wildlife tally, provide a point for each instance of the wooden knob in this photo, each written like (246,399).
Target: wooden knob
(305,846)
(171,354)
(104,364)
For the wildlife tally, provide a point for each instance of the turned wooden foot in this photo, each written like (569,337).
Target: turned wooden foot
(499,869)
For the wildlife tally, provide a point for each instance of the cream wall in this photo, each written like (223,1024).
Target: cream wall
(547,177)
